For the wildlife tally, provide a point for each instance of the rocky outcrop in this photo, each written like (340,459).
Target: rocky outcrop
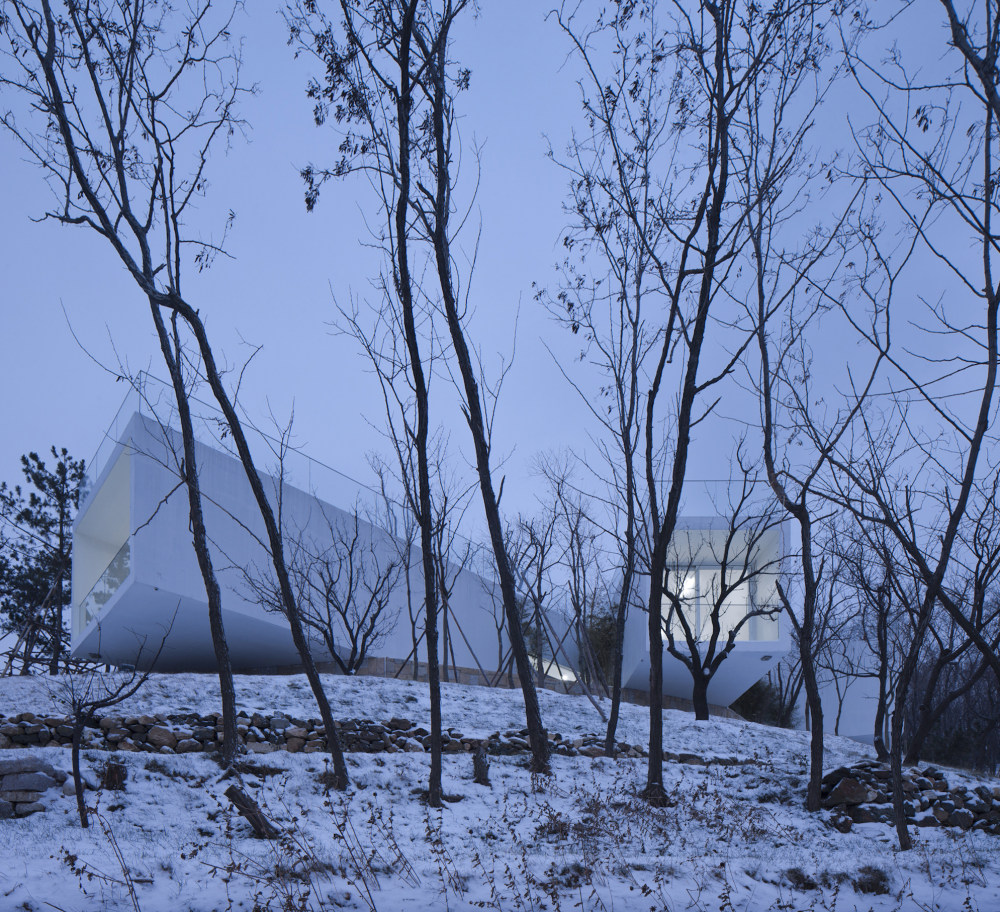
(863,794)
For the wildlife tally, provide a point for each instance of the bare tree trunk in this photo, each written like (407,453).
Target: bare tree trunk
(882,634)
(699,697)
(227,690)
(654,790)
(618,659)
(274,538)
(472,405)
(81,804)
(814,705)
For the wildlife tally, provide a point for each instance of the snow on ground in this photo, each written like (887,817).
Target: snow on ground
(734,838)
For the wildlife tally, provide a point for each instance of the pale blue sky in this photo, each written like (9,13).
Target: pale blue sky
(277,291)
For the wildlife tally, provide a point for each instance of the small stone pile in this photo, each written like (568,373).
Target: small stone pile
(863,794)
(23,784)
(192,732)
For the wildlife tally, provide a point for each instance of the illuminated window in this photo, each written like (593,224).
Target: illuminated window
(698,589)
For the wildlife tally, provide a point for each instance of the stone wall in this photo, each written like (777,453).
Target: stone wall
(23,784)
(863,794)
(187,733)
(859,794)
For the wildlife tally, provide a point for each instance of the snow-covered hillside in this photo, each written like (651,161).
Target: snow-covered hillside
(734,838)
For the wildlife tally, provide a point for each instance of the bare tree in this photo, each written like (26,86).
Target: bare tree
(125,149)
(86,693)
(377,86)
(673,113)
(930,155)
(433,209)
(345,582)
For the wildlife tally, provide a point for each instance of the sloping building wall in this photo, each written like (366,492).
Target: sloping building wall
(136,576)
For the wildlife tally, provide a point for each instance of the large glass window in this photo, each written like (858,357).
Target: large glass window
(101,552)
(697,589)
(106,586)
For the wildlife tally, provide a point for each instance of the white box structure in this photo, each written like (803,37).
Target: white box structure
(138,591)
(692,570)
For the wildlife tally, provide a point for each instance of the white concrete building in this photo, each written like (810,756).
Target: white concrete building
(136,582)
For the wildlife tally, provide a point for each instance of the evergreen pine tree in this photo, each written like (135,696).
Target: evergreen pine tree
(35,554)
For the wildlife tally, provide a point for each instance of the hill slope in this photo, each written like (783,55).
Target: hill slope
(734,838)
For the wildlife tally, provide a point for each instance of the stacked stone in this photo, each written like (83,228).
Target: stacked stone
(192,732)
(262,734)
(863,794)
(23,784)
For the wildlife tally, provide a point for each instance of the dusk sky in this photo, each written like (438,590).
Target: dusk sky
(288,266)
(289,269)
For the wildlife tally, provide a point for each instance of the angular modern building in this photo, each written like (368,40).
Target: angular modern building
(138,592)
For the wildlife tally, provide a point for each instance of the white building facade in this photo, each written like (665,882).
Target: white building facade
(138,592)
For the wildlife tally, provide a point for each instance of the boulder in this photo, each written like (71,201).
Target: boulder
(37,782)
(848,791)
(861,813)
(961,818)
(6,810)
(16,795)
(161,737)
(25,810)
(27,764)
(834,776)
(842,823)
(261,747)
